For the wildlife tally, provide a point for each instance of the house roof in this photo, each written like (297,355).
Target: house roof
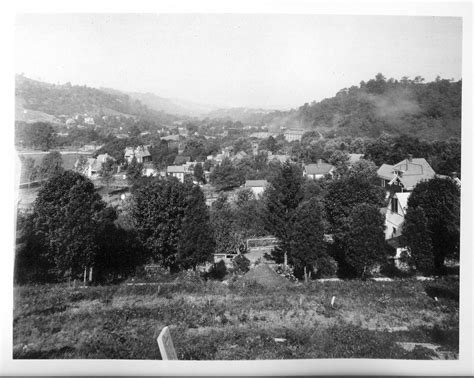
(255,183)
(318,169)
(412,171)
(385,171)
(175,169)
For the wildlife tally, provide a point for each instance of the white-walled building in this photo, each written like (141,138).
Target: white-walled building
(257,186)
(177,171)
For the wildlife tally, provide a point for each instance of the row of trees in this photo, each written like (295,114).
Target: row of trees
(71,230)
(300,212)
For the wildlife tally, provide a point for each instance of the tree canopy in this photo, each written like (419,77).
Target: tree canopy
(172,222)
(439,198)
(66,216)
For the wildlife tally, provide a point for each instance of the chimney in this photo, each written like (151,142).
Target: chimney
(320,161)
(410,157)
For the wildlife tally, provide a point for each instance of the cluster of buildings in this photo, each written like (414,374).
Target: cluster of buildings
(290,135)
(399,181)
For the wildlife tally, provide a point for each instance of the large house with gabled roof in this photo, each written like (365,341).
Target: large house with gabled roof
(405,175)
(399,180)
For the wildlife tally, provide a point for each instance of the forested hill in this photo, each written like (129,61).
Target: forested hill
(412,107)
(70,99)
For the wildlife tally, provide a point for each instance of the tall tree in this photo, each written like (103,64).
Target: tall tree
(66,216)
(344,194)
(440,200)
(282,198)
(417,238)
(196,243)
(168,216)
(223,222)
(340,160)
(307,247)
(365,241)
(199,173)
(226,176)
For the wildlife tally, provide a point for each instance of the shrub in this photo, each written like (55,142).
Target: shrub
(240,264)
(218,271)
(286,271)
(326,267)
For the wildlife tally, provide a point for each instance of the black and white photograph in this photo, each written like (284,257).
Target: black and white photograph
(245,186)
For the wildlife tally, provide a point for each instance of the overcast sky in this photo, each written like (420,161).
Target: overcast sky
(271,61)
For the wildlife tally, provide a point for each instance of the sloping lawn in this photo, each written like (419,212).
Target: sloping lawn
(211,320)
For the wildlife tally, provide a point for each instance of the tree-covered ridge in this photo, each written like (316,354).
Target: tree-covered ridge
(70,99)
(427,110)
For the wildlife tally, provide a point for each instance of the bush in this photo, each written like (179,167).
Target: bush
(217,272)
(327,267)
(240,264)
(286,271)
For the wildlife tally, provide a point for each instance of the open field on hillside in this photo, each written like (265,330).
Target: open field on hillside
(212,321)
(69,158)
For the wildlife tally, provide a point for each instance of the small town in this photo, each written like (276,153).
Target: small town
(151,228)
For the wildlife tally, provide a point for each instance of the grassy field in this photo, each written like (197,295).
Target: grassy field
(68,158)
(214,321)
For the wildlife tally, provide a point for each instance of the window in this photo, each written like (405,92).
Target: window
(394,205)
(394,231)
(383,183)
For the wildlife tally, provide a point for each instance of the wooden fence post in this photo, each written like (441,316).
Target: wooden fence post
(165,343)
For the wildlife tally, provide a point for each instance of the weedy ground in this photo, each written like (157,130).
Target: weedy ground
(209,320)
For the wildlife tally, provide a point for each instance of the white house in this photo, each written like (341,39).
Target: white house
(257,186)
(395,214)
(177,171)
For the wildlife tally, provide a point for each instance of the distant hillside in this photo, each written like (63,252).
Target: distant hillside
(27,115)
(171,106)
(429,111)
(244,115)
(67,99)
